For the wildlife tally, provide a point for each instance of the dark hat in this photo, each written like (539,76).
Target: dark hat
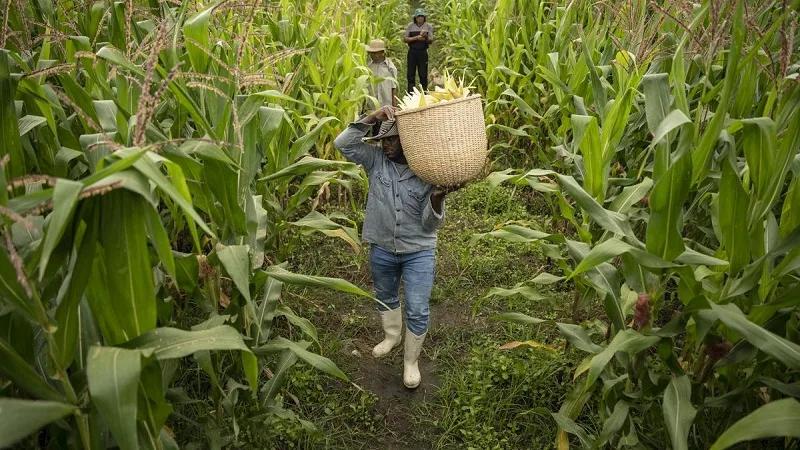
(388,129)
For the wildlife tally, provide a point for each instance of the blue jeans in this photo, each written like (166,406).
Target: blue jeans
(416,271)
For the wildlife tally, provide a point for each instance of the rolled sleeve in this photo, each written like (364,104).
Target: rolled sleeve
(431,220)
(350,143)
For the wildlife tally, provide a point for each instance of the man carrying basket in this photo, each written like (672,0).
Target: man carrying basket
(402,218)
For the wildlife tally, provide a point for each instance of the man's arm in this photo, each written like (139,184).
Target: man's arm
(430,34)
(407,38)
(350,142)
(393,71)
(433,212)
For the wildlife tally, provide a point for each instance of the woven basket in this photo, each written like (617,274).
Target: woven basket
(445,143)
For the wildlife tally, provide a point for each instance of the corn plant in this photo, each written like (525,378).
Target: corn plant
(678,180)
(154,174)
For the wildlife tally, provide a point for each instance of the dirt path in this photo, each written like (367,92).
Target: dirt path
(398,406)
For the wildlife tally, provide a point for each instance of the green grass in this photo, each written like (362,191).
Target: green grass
(486,397)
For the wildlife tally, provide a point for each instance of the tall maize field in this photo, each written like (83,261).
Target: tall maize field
(163,160)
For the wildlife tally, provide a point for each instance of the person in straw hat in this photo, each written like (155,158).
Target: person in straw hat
(401,222)
(418,36)
(385,91)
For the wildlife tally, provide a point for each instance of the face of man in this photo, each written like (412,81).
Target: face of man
(420,20)
(378,56)
(392,148)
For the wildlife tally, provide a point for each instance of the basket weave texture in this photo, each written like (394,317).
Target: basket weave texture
(445,143)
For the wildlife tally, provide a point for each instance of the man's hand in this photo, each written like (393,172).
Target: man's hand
(438,194)
(385,113)
(380,115)
(441,191)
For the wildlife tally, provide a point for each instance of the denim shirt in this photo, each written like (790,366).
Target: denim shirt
(400,217)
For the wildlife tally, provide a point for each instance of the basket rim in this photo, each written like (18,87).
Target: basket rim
(437,105)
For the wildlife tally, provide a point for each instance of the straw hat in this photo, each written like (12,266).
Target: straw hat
(376,45)
(388,129)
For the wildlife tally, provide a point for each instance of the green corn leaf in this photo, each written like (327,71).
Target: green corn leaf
(546,278)
(519,234)
(113,375)
(196,28)
(207,150)
(598,90)
(11,291)
(19,418)
(67,313)
(251,369)
(702,155)
(666,206)
(273,387)
(171,343)
(613,248)
(678,411)
(176,190)
(656,99)
(302,323)
(518,318)
(28,123)
(223,183)
(778,418)
(519,289)
(65,198)
(605,280)
(578,337)
(16,369)
(306,165)
(569,425)
(733,204)
(759,141)
(627,341)
(790,213)
(630,196)
(614,423)
(693,257)
(10,144)
(301,146)
(612,221)
(266,309)
(187,271)
(161,242)
(672,122)
(306,280)
(787,149)
(783,350)
(587,138)
(256,228)
(615,123)
(131,303)
(320,362)
(236,261)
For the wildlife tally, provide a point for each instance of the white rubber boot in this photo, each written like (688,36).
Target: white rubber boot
(411,375)
(392,321)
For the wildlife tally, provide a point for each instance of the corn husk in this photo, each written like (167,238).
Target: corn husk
(452,89)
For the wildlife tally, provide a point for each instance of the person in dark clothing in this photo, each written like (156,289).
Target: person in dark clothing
(418,36)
